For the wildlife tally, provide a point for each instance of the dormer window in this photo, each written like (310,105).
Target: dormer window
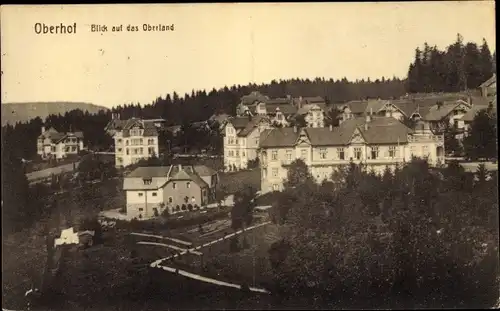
(147,181)
(188,184)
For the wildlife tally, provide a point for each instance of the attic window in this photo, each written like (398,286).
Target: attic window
(189,184)
(147,181)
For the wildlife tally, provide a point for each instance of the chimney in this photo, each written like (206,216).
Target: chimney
(371,111)
(368,118)
(331,127)
(180,167)
(295,128)
(43,129)
(366,126)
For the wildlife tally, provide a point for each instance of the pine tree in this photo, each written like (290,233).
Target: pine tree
(486,62)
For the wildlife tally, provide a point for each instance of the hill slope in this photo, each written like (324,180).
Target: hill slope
(22,112)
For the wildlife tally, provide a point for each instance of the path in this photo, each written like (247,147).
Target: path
(158,263)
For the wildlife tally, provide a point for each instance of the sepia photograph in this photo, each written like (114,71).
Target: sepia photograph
(249,156)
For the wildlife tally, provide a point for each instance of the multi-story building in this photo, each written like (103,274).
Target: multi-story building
(53,144)
(376,141)
(135,139)
(241,140)
(176,188)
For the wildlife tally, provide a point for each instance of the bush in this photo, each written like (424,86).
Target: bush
(190,207)
(177,208)
(183,207)
(196,207)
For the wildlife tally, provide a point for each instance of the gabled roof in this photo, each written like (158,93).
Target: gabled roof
(160,175)
(278,137)
(490,81)
(56,137)
(245,125)
(253,97)
(471,114)
(439,112)
(381,130)
(286,108)
(305,109)
(365,106)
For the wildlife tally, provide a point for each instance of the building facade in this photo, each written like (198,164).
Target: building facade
(374,141)
(53,144)
(241,140)
(152,190)
(135,139)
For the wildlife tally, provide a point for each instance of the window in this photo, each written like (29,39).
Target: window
(275,172)
(151,150)
(274,155)
(126,142)
(289,155)
(170,199)
(341,153)
(174,185)
(322,153)
(243,153)
(303,153)
(154,194)
(412,150)
(275,187)
(141,194)
(128,152)
(148,181)
(188,184)
(237,153)
(374,152)
(140,141)
(231,153)
(392,151)
(119,160)
(150,141)
(425,151)
(237,142)
(140,209)
(119,140)
(119,149)
(141,150)
(357,153)
(257,141)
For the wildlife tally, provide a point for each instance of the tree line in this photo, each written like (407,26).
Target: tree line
(459,67)
(411,235)
(194,107)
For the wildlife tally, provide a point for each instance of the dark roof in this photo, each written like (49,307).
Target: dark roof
(286,108)
(56,136)
(364,106)
(253,97)
(381,130)
(149,127)
(253,123)
(279,137)
(239,122)
(471,114)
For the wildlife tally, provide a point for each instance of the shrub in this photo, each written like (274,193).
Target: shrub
(190,207)
(183,207)
(196,207)
(177,208)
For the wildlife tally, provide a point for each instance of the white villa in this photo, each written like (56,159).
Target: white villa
(135,139)
(53,144)
(376,141)
(241,140)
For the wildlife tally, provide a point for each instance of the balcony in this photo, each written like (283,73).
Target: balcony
(422,138)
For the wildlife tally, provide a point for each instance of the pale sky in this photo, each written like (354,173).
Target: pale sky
(214,45)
